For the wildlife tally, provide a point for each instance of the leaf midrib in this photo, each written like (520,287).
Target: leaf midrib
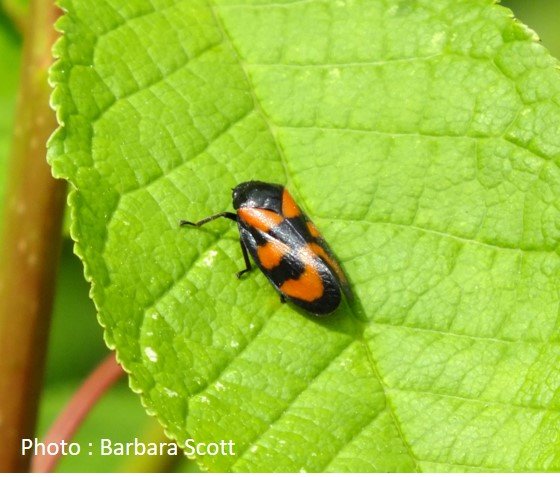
(356,303)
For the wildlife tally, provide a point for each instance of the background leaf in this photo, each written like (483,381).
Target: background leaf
(9,73)
(421,136)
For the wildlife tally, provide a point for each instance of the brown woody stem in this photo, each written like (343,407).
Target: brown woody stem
(30,244)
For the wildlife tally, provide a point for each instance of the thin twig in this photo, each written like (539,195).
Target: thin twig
(68,421)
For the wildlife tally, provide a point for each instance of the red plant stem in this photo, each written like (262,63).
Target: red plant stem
(30,244)
(68,421)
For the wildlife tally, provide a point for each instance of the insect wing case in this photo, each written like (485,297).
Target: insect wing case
(276,234)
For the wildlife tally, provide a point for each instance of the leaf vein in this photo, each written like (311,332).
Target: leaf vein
(197,154)
(471,337)
(292,400)
(388,402)
(443,234)
(483,402)
(151,84)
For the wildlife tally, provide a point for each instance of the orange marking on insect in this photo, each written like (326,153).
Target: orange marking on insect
(270,254)
(312,229)
(260,219)
(307,287)
(289,207)
(321,252)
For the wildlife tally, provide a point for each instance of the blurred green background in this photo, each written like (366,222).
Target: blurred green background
(76,343)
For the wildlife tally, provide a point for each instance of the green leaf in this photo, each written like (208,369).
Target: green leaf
(423,139)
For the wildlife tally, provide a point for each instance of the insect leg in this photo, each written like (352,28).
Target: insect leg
(227,215)
(246,258)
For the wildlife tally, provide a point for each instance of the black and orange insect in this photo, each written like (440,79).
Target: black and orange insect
(286,246)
